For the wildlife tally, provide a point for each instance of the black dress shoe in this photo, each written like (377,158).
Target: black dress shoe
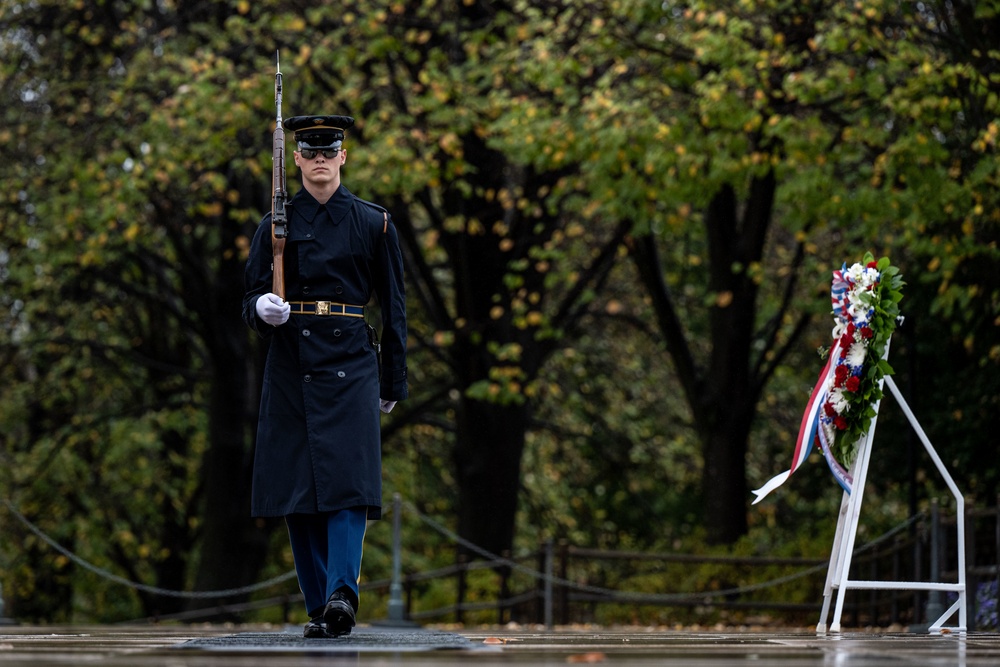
(339,615)
(316,629)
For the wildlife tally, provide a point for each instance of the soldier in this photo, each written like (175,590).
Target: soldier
(318,456)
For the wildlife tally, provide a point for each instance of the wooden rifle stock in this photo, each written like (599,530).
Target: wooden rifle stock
(279,218)
(278,267)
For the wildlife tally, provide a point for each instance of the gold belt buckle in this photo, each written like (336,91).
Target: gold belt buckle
(322,307)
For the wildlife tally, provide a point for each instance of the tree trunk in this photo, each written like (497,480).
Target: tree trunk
(723,393)
(724,477)
(234,546)
(488,453)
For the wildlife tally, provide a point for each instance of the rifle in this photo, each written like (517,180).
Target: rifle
(279,218)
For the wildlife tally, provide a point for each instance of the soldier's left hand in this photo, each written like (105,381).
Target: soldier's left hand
(386,406)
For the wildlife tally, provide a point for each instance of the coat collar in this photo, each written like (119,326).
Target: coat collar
(306,206)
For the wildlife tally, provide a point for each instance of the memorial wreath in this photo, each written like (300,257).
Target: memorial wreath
(865,301)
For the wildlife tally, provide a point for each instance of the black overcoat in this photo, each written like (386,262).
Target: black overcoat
(318,435)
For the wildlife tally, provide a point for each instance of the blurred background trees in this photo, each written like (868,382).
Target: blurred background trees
(619,222)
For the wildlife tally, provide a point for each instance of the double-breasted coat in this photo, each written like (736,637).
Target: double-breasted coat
(318,435)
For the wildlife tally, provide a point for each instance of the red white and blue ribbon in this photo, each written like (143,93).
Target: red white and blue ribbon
(810,427)
(840,473)
(846,359)
(814,429)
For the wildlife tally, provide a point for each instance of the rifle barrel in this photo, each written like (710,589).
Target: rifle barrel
(279,218)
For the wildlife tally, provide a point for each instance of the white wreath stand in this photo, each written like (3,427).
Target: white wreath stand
(847,528)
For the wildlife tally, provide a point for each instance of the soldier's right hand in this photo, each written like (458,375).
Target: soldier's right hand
(272,309)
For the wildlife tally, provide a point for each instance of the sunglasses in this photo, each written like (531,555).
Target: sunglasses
(328,153)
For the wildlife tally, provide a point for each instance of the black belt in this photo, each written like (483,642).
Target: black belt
(326,308)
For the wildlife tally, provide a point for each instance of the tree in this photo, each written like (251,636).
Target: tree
(944,180)
(173,129)
(135,183)
(760,134)
(502,271)
(732,153)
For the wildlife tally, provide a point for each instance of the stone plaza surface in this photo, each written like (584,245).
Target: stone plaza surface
(252,646)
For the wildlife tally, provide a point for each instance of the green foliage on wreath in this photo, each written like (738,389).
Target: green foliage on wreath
(852,420)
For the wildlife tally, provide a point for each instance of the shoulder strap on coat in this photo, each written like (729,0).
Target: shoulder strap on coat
(368,203)
(385,213)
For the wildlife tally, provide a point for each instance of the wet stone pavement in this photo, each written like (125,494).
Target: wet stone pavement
(276,646)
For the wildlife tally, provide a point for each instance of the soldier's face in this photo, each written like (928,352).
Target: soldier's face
(321,169)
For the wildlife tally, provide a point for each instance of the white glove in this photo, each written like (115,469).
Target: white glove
(272,309)
(386,406)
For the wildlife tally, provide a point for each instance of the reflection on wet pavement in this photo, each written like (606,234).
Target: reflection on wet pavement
(267,646)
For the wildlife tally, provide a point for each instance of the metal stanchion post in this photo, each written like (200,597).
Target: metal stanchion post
(549,568)
(934,605)
(3,619)
(396,609)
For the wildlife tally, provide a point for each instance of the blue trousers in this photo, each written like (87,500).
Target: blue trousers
(327,552)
